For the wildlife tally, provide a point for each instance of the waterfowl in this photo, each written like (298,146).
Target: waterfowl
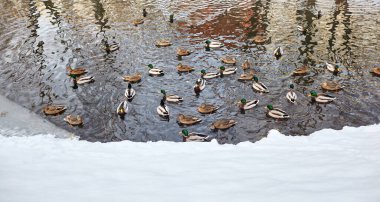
(258,39)
(171,18)
(111,48)
(278,52)
(155,71)
(301,70)
(276,113)
(163,43)
(291,95)
(331,86)
(162,109)
(207,108)
(85,79)
(183,52)
(259,86)
(54,109)
(209,75)
(187,119)
(129,92)
(200,84)
(213,44)
(193,137)
(138,21)
(73,120)
(227,71)
(144,12)
(301,29)
(376,71)
(171,98)
(247,76)
(133,78)
(319,15)
(228,60)
(122,108)
(76,71)
(245,105)
(184,68)
(246,65)
(223,124)
(321,97)
(333,68)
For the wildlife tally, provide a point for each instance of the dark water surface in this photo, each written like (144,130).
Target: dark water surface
(38,39)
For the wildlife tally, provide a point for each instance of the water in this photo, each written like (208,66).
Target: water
(38,39)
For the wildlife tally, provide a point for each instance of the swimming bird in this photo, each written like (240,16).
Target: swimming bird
(193,137)
(223,124)
(278,52)
(163,43)
(184,68)
(301,71)
(122,108)
(130,92)
(171,98)
(138,21)
(200,84)
(331,86)
(376,71)
(246,65)
(155,71)
(132,78)
(227,71)
(276,113)
(321,97)
(333,68)
(213,44)
(247,76)
(291,95)
(73,120)
(259,86)
(187,119)
(209,75)
(162,109)
(245,105)
(54,109)
(85,79)
(207,108)
(183,52)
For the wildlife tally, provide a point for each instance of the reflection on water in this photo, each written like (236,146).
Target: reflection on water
(40,38)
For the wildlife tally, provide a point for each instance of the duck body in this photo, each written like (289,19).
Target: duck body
(138,21)
(132,78)
(332,68)
(248,105)
(246,65)
(260,87)
(278,52)
(162,109)
(73,120)
(228,71)
(76,71)
(291,96)
(163,43)
(183,52)
(277,113)
(301,71)
(259,39)
(187,119)
(184,68)
(223,124)
(331,86)
(130,92)
(122,108)
(156,72)
(200,84)
(376,71)
(324,98)
(228,60)
(213,44)
(207,108)
(247,76)
(85,79)
(54,109)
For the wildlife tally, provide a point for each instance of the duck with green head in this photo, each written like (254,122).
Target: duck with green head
(209,75)
(291,95)
(155,71)
(171,98)
(321,97)
(162,109)
(183,119)
(245,105)
(259,86)
(200,84)
(193,137)
(213,44)
(227,71)
(276,113)
(333,68)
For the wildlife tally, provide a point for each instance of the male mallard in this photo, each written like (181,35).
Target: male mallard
(259,86)
(376,71)
(183,52)
(209,75)
(228,60)
(133,78)
(73,120)
(171,18)
(207,108)
(301,71)
(85,79)
(331,86)
(162,109)
(184,68)
(223,124)
(276,113)
(193,137)
(227,71)
(321,98)
(187,119)
(54,109)
(278,52)
(333,68)
(144,12)
(200,84)
(245,105)
(155,71)
(291,95)
(171,98)
(246,65)
(247,76)
(122,108)
(163,43)
(213,44)
(138,21)
(129,92)
(76,71)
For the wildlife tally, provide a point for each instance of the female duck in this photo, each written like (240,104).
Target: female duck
(76,71)
(122,108)
(163,43)
(200,84)
(130,92)
(331,86)
(133,78)
(301,71)
(333,68)
(376,71)
(162,109)
(259,86)
(228,60)
(278,52)
(321,97)
(138,21)
(73,120)
(276,113)
(187,119)
(247,76)
(246,65)
(209,75)
(245,105)
(291,95)
(155,71)
(193,137)
(223,124)
(184,68)
(207,108)
(183,52)
(54,109)
(171,98)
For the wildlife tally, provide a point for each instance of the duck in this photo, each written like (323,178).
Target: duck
(259,39)
(162,109)
(247,76)
(331,86)
(76,71)
(209,75)
(291,95)
(85,79)
(245,105)
(155,71)
(213,44)
(171,98)
(111,48)
(301,71)
(376,71)
(246,65)
(144,12)
(278,52)
(184,68)
(259,86)
(171,18)
(54,109)
(129,92)
(333,68)
(122,108)
(193,137)
(132,78)
(200,84)
(227,71)
(301,29)
(163,43)
(276,113)
(207,108)
(138,21)
(319,15)
(187,119)
(321,97)
(228,60)
(183,52)
(73,120)
(223,124)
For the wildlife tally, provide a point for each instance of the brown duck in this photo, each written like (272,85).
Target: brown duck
(301,70)
(331,86)
(76,71)
(223,124)
(247,76)
(207,108)
(184,68)
(183,52)
(132,78)
(188,120)
(228,60)
(54,109)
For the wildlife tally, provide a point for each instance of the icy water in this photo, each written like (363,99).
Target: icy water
(38,39)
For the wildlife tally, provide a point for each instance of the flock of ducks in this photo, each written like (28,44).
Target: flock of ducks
(200,84)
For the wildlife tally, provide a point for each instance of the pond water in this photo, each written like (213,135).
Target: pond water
(40,38)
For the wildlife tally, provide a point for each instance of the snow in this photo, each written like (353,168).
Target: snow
(328,165)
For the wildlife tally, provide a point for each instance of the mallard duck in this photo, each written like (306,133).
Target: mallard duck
(228,60)
(213,44)
(184,68)
(54,109)
(223,124)
(85,79)
(171,98)
(301,70)
(259,86)
(291,95)
(163,43)
(183,52)
(245,105)
(193,137)
(133,78)
(122,108)
(227,71)
(321,97)
(376,71)
(129,92)
(171,18)
(200,84)
(331,86)
(144,12)
(276,113)
(111,48)
(187,119)
(247,76)
(301,29)
(333,68)
(246,65)
(138,21)
(209,75)
(207,108)
(319,15)
(162,109)
(155,71)
(258,39)
(278,52)
(73,120)
(76,71)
